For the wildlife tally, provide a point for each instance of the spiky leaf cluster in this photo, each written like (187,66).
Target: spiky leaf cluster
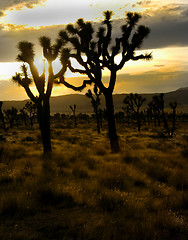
(26,52)
(22,79)
(50,51)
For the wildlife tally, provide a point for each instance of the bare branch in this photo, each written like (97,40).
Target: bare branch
(68,85)
(144,57)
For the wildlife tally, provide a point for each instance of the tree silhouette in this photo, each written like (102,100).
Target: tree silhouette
(95,102)
(173,106)
(134,102)
(2,117)
(95,54)
(24,116)
(73,109)
(127,110)
(11,115)
(156,109)
(31,110)
(44,86)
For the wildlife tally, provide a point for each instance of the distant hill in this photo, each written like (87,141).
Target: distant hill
(61,103)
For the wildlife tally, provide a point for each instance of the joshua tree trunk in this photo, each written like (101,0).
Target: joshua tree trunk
(111,122)
(43,112)
(3,120)
(138,121)
(97,118)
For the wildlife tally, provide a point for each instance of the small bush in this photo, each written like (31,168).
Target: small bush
(100,150)
(111,200)
(4,180)
(128,157)
(28,139)
(80,173)
(158,172)
(179,179)
(10,207)
(49,196)
(184,153)
(114,183)
(139,183)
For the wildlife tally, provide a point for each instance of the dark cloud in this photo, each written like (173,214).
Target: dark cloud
(10,39)
(10,3)
(143,3)
(168,28)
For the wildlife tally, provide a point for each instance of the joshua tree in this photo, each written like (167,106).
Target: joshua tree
(2,118)
(74,114)
(157,106)
(11,115)
(173,106)
(31,109)
(95,102)
(24,116)
(95,54)
(127,110)
(135,101)
(50,53)
(156,109)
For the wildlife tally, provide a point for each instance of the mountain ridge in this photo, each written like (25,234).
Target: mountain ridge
(61,103)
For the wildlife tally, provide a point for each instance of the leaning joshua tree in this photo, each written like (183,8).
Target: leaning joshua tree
(96,53)
(43,86)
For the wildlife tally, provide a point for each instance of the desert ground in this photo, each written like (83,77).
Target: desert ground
(85,192)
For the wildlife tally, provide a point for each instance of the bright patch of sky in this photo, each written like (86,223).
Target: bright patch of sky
(57,12)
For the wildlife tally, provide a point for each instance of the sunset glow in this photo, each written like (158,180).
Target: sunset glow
(29,20)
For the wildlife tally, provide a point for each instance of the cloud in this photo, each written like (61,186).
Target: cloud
(168,26)
(151,82)
(10,3)
(143,2)
(10,39)
(159,65)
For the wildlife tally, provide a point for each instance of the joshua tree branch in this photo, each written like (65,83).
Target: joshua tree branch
(74,70)
(146,56)
(50,79)
(80,88)
(125,58)
(30,94)
(36,77)
(61,72)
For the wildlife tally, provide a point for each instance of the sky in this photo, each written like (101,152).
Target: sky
(27,20)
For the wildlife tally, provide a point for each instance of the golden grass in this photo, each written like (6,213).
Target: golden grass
(85,192)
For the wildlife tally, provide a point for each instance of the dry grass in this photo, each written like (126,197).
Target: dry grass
(85,192)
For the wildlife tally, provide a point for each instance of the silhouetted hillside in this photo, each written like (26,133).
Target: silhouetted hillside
(61,103)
